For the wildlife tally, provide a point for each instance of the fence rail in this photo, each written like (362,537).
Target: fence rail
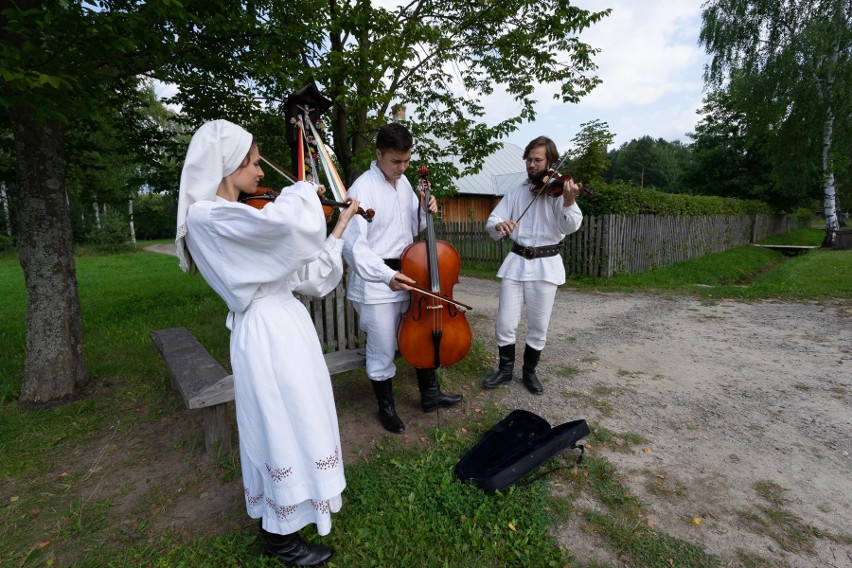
(611,244)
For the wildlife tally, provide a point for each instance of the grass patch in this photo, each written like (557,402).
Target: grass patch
(751,560)
(781,525)
(595,399)
(746,272)
(644,546)
(566,371)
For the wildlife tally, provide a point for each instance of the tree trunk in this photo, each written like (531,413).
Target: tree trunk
(54,362)
(5,198)
(829,187)
(132,227)
(97,212)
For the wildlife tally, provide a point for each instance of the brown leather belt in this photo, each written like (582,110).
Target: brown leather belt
(537,252)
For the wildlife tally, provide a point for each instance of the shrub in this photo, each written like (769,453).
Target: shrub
(154,216)
(113,234)
(623,199)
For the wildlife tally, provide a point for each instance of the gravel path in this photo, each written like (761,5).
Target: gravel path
(726,393)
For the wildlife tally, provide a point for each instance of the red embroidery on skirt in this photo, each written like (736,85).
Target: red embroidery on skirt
(278,474)
(322,506)
(331,461)
(280,511)
(252,500)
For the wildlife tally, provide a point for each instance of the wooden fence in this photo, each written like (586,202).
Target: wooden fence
(335,319)
(603,246)
(611,244)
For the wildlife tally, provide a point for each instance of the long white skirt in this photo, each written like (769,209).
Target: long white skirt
(290,454)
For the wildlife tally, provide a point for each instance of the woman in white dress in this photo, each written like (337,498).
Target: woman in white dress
(255,259)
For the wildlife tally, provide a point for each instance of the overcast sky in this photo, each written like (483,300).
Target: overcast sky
(651,66)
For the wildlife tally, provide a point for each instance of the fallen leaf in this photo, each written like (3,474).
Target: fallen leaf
(647,450)
(618,441)
(697,521)
(512,527)
(13,498)
(43,544)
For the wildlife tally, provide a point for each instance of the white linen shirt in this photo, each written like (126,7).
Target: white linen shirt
(366,244)
(546,222)
(246,253)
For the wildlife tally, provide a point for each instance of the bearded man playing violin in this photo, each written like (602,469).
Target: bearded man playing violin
(535,216)
(379,292)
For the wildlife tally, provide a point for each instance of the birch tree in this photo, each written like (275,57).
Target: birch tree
(793,58)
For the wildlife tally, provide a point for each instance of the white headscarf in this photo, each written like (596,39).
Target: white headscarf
(216,150)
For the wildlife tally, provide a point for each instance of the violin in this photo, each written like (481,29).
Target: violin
(434,331)
(264,196)
(553,183)
(368,214)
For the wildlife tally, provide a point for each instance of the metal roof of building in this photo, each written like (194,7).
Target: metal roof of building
(501,171)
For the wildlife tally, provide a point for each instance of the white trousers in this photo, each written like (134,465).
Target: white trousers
(381,324)
(538,296)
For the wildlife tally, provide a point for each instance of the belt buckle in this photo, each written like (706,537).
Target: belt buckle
(529,253)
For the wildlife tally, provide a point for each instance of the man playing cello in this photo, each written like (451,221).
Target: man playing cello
(378,290)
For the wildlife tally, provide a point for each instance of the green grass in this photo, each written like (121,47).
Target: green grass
(747,273)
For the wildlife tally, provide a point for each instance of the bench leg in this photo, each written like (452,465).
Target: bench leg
(217,430)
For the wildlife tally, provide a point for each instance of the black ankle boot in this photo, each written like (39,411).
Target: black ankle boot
(387,411)
(292,550)
(431,396)
(504,371)
(531,357)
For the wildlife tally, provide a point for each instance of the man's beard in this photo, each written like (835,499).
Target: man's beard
(535,177)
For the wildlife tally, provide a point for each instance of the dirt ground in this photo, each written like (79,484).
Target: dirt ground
(730,397)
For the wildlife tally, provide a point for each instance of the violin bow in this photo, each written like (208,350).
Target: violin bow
(278,169)
(457,304)
(334,181)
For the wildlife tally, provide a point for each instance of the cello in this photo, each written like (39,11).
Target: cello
(434,331)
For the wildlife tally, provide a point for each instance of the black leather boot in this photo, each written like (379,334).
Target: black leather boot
(504,370)
(431,396)
(531,357)
(387,411)
(292,550)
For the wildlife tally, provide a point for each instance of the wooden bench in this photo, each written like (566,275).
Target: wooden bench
(788,250)
(204,384)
